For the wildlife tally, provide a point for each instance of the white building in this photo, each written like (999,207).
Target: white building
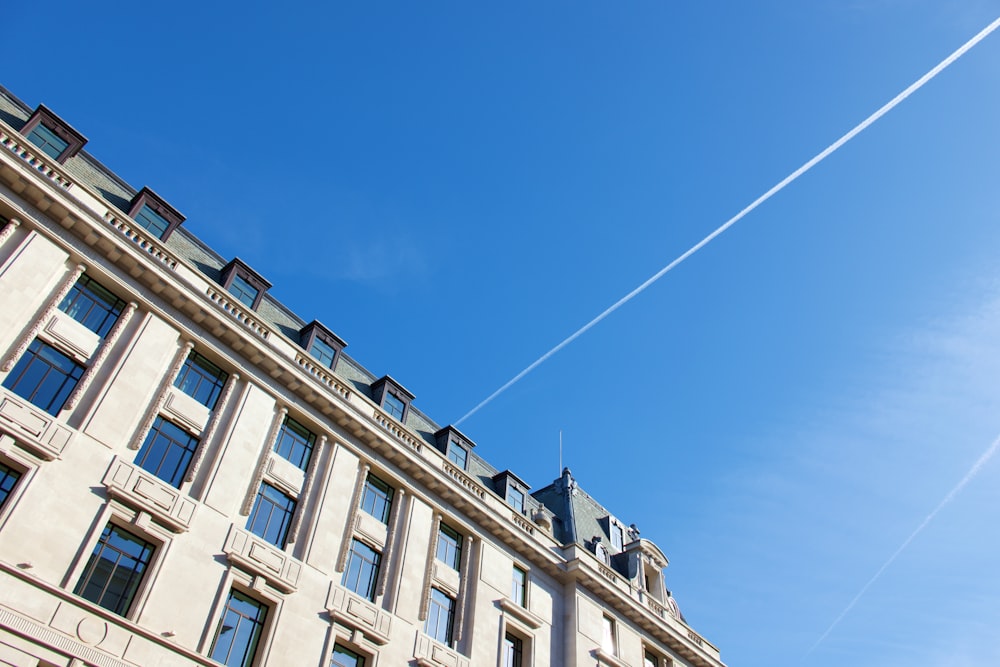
(190,474)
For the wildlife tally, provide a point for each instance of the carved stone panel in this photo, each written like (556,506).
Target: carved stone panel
(256,556)
(137,488)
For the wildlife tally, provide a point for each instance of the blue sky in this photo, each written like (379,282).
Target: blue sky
(456,187)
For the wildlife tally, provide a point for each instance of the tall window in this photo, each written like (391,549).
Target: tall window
(617,537)
(513,648)
(343,657)
(44,376)
(362,570)
(200,379)
(244,292)
(519,587)
(152,221)
(8,480)
(515,497)
(457,454)
(48,141)
(295,443)
(240,630)
(440,617)
(449,547)
(376,498)
(323,351)
(115,570)
(650,659)
(609,636)
(167,452)
(393,405)
(271,515)
(92,306)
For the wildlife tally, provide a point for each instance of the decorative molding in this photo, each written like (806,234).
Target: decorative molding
(213,426)
(258,476)
(352,516)
(262,558)
(101,356)
(137,488)
(300,511)
(520,613)
(161,397)
(425,592)
(44,317)
(8,230)
(390,540)
(463,588)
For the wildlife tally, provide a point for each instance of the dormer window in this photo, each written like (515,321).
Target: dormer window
(53,136)
(322,344)
(392,397)
(512,488)
(244,283)
(453,444)
(154,215)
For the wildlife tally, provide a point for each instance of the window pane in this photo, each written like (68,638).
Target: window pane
(449,547)
(519,583)
(609,642)
(393,406)
(271,515)
(244,292)
(44,376)
(200,379)
(167,452)
(515,498)
(295,443)
(457,455)
(47,140)
(440,615)
(512,650)
(115,569)
(92,306)
(8,480)
(343,657)
(239,631)
(151,220)
(376,499)
(361,573)
(324,352)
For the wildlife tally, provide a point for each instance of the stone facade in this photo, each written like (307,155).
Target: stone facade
(182,482)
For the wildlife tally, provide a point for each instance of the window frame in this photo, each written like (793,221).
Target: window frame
(153,442)
(12,458)
(45,117)
(159,206)
(609,635)
(24,364)
(82,289)
(433,605)
(373,571)
(452,545)
(262,641)
(238,268)
(516,645)
(654,658)
(359,659)
(383,496)
(307,445)
(286,522)
(519,589)
(315,332)
(208,372)
(454,446)
(385,387)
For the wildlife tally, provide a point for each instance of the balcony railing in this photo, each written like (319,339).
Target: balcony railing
(26,151)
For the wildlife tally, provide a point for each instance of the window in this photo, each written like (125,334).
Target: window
(53,136)
(245,284)
(152,221)
(609,639)
(244,292)
(394,406)
(323,351)
(362,570)
(651,659)
(515,497)
(8,480)
(376,498)
(152,213)
(457,454)
(343,657)
(167,452)
(440,617)
(240,630)
(92,306)
(449,547)
(617,537)
(295,443)
(519,586)
(200,379)
(271,515)
(115,570)
(47,140)
(513,649)
(44,376)
(321,343)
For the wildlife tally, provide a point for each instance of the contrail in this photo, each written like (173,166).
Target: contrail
(973,471)
(915,86)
